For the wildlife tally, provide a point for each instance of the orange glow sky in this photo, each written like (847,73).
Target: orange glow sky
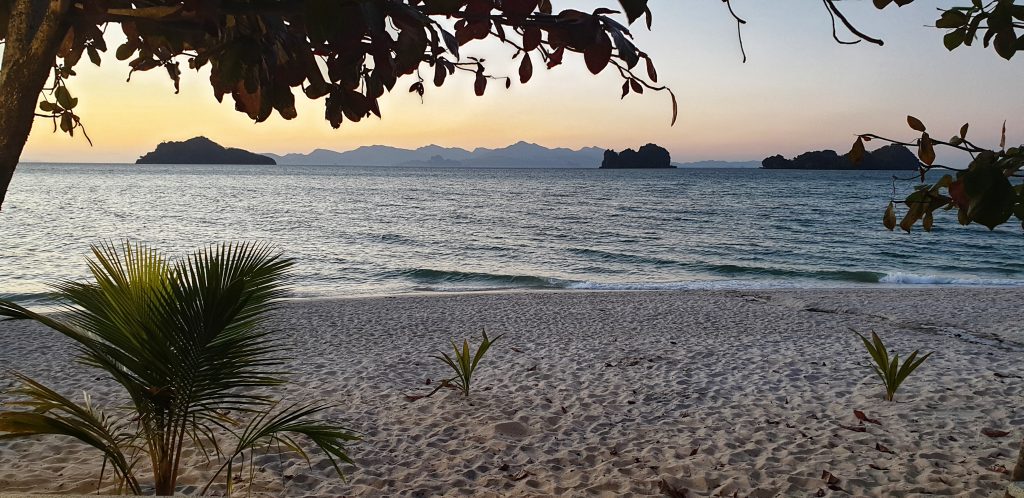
(798,91)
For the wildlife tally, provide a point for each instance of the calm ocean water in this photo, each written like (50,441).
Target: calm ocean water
(362,231)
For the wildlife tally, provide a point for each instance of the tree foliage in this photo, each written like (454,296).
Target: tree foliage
(981,193)
(262,53)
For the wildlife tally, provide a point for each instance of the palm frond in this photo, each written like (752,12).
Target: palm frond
(52,414)
(274,427)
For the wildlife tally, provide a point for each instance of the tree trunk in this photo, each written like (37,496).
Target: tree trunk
(35,31)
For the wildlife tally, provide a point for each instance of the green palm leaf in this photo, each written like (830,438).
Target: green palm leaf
(890,370)
(187,339)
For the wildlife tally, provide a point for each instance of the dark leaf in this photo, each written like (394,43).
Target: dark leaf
(598,55)
(480,85)
(995,433)
(864,418)
(634,8)
(531,38)
(651,72)
(889,219)
(915,124)
(525,68)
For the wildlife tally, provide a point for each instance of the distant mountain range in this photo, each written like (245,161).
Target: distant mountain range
(201,150)
(517,155)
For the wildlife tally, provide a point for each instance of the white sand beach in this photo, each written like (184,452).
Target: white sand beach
(719,393)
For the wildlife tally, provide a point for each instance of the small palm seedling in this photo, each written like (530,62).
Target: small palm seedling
(186,340)
(890,370)
(463,364)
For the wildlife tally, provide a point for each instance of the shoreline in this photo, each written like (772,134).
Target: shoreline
(541,290)
(618,392)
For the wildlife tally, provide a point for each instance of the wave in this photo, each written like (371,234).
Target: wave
(30,298)
(866,277)
(445,278)
(623,257)
(901,278)
(763,278)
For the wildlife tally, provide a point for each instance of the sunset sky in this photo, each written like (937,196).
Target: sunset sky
(798,91)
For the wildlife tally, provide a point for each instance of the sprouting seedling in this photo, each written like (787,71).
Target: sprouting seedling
(889,370)
(465,364)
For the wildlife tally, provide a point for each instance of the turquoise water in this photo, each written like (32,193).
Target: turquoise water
(364,231)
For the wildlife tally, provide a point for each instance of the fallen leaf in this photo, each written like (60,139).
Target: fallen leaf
(995,432)
(883,449)
(854,428)
(513,348)
(1000,469)
(672,491)
(831,481)
(864,418)
(694,450)
(876,467)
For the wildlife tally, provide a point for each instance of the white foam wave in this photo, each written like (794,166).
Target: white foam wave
(901,278)
(690,285)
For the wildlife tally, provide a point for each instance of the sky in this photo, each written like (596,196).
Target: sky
(798,91)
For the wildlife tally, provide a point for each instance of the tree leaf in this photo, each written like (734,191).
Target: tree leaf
(480,85)
(925,150)
(525,68)
(64,97)
(598,55)
(915,124)
(889,219)
(634,8)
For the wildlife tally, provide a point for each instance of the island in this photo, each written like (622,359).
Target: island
(649,156)
(201,150)
(889,157)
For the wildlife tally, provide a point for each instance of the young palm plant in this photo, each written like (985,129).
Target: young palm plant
(889,370)
(186,340)
(465,364)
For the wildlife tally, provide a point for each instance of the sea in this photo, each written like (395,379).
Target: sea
(361,231)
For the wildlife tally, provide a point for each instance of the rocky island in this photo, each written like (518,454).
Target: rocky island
(201,150)
(889,157)
(649,156)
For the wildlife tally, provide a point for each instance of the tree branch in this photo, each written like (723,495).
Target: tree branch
(838,14)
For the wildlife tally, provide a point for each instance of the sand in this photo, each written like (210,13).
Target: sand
(718,393)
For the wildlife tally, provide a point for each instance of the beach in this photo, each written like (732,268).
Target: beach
(718,393)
